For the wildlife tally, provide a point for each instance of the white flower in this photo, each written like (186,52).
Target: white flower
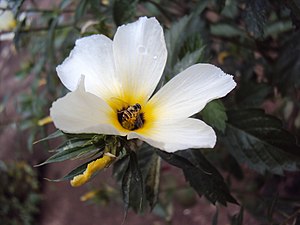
(7,19)
(112,83)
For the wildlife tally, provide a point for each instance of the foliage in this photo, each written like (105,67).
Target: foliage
(257,125)
(259,140)
(19,194)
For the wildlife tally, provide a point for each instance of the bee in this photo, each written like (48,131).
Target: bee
(131,118)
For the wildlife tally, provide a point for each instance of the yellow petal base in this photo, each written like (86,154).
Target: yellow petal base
(92,168)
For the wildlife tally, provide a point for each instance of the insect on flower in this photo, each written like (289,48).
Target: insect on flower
(131,118)
(112,84)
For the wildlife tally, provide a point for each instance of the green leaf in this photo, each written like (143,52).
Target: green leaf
(275,28)
(184,37)
(214,114)
(201,175)
(80,10)
(56,134)
(78,170)
(294,6)
(174,39)
(67,154)
(193,40)
(73,149)
(132,185)
(188,60)
(124,11)
(226,30)
(287,67)
(255,17)
(252,94)
(230,9)
(260,141)
(152,181)
(120,167)
(149,165)
(72,143)
(220,4)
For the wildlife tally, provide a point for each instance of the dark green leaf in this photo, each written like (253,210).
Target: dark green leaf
(251,94)
(78,170)
(255,17)
(199,7)
(233,167)
(230,9)
(70,152)
(80,9)
(201,175)
(214,114)
(84,136)
(188,60)
(124,11)
(238,218)
(184,37)
(174,39)
(132,185)
(260,141)
(119,168)
(294,6)
(145,155)
(152,181)
(73,143)
(220,4)
(275,28)
(193,42)
(287,66)
(56,134)
(226,30)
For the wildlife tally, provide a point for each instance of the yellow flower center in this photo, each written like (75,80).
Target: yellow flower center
(131,117)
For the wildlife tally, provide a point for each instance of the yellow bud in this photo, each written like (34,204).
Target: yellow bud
(89,195)
(45,121)
(222,56)
(92,168)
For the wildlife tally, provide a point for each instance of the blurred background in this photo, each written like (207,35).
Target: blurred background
(257,124)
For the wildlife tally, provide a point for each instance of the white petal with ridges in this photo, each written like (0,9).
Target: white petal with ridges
(92,57)
(140,56)
(83,112)
(189,92)
(184,134)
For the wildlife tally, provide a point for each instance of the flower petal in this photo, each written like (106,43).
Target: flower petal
(92,57)
(140,56)
(187,133)
(83,112)
(188,92)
